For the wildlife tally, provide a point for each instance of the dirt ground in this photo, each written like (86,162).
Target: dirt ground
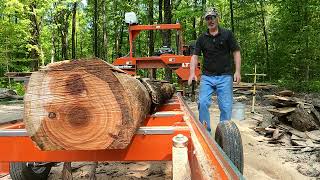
(262,161)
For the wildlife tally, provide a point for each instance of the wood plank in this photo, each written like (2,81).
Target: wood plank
(281,111)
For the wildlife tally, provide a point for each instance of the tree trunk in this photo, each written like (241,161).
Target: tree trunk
(87,105)
(74,13)
(265,34)
(116,30)
(119,51)
(105,35)
(65,33)
(152,72)
(64,43)
(167,20)
(307,57)
(160,20)
(231,15)
(160,11)
(151,36)
(95,26)
(53,50)
(63,24)
(203,9)
(35,33)
(194,30)
(167,35)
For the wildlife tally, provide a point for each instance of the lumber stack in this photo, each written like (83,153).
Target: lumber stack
(85,105)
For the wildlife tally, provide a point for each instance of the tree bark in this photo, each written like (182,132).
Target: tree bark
(74,13)
(87,105)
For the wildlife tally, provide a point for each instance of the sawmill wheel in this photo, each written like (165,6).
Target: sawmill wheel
(228,137)
(27,171)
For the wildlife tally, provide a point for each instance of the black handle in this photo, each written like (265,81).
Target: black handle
(193,93)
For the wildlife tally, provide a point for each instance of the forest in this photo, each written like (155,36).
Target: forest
(281,37)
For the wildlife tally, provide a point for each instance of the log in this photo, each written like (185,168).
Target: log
(8,94)
(159,91)
(84,105)
(302,120)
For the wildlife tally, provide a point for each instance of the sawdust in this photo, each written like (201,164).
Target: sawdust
(264,161)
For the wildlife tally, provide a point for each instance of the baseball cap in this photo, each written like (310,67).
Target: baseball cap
(211,12)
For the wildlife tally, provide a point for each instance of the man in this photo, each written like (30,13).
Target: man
(218,46)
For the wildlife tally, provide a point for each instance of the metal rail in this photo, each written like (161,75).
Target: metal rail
(145,130)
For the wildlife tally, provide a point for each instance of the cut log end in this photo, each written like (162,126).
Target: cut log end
(82,105)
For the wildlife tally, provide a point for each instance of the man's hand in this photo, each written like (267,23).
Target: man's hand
(192,77)
(237,77)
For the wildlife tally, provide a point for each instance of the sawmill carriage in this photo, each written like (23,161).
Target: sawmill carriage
(89,110)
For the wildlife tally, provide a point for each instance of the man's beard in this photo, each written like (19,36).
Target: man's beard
(212,25)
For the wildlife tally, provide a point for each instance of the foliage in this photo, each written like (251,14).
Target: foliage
(281,37)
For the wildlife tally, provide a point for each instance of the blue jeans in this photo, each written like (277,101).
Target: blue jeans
(222,86)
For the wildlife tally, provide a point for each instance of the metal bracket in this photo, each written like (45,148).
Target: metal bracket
(13,132)
(156,130)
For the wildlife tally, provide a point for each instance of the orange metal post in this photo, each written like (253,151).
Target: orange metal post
(4,168)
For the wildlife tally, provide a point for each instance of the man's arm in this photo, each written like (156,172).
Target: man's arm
(237,62)
(193,65)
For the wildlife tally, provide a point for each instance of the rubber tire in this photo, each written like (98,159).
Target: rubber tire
(20,171)
(228,137)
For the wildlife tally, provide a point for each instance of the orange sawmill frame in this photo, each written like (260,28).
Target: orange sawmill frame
(179,63)
(153,142)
